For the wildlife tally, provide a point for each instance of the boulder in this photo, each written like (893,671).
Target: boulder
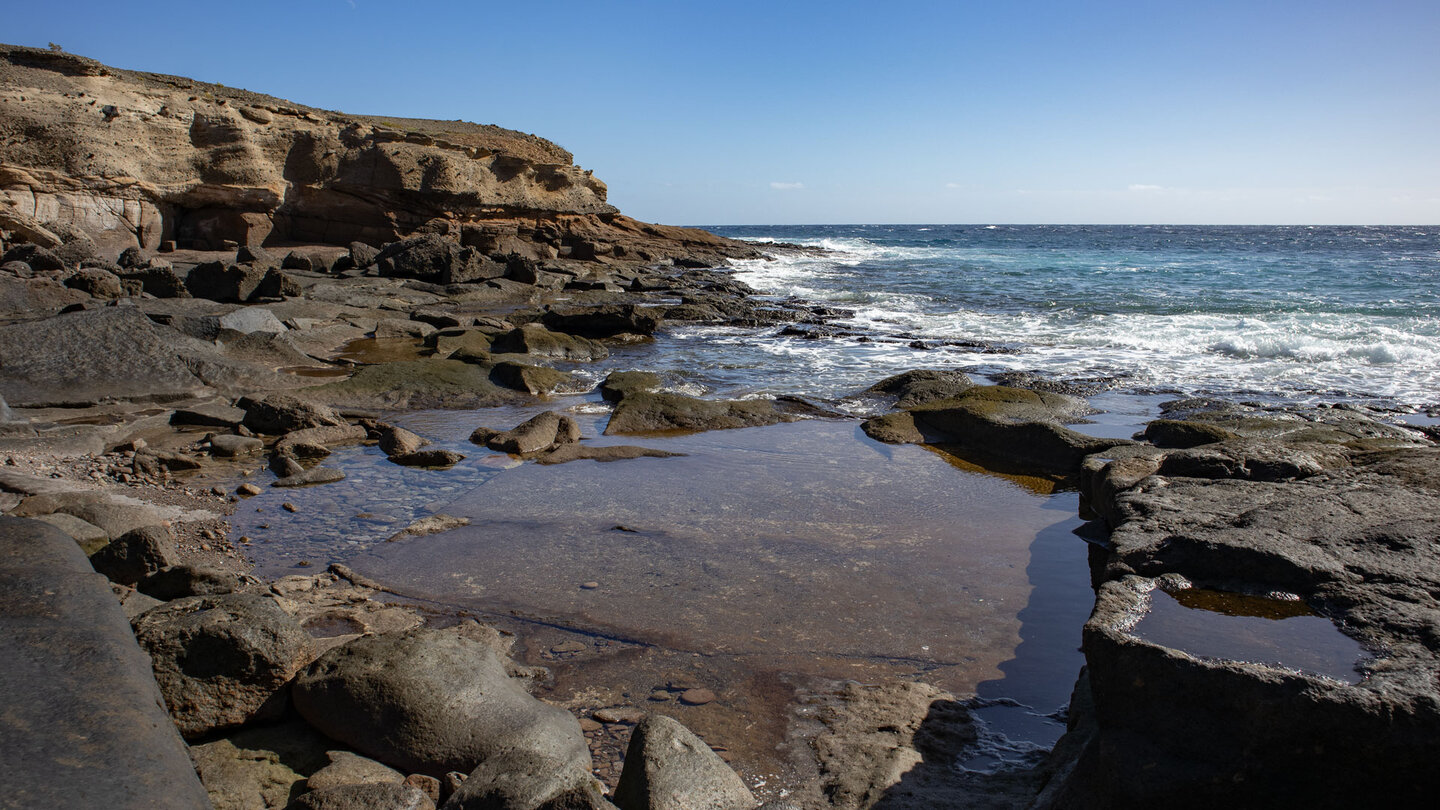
(653,412)
(90,537)
(252,319)
(537,340)
(222,661)
(260,766)
(239,283)
(921,386)
(38,258)
(432,702)
(397,441)
(316,442)
(435,259)
(538,433)
(282,413)
(158,279)
(536,380)
(523,780)
(348,768)
(180,581)
(133,257)
(96,283)
(618,384)
(231,446)
(606,320)
(382,796)
(310,477)
(449,341)
(362,254)
(432,457)
(135,555)
(668,768)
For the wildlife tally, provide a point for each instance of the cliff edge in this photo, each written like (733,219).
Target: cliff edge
(135,158)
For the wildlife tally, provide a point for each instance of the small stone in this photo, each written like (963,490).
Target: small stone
(428,785)
(590,586)
(629,715)
(248,490)
(587,725)
(697,697)
(218,491)
(662,696)
(570,647)
(303,564)
(244,538)
(289,507)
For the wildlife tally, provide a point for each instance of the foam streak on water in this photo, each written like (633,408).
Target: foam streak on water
(1290,313)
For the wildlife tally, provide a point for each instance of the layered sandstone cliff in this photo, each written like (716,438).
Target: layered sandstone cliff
(141,158)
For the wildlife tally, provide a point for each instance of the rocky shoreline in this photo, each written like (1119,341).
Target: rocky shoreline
(155,357)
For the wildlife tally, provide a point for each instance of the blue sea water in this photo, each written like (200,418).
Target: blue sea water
(1288,314)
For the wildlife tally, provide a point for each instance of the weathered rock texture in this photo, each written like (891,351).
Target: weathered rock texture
(137,158)
(1314,510)
(83,725)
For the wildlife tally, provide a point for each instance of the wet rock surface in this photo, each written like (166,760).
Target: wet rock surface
(1351,531)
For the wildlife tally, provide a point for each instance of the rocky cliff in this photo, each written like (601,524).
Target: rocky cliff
(141,158)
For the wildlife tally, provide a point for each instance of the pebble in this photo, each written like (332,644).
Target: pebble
(590,586)
(569,647)
(248,490)
(428,785)
(662,696)
(289,507)
(588,725)
(697,697)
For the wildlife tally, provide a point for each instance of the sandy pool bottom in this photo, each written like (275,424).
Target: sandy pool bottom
(759,564)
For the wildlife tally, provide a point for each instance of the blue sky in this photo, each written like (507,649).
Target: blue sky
(1265,111)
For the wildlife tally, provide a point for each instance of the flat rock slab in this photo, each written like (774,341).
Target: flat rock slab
(83,724)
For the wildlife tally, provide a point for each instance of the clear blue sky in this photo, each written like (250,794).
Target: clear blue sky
(1261,111)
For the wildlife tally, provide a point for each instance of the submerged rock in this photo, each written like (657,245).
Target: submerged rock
(650,412)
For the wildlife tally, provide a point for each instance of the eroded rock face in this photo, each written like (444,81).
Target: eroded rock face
(222,661)
(1355,538)
(432,702)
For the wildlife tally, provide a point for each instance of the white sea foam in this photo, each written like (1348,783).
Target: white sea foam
(1302,354)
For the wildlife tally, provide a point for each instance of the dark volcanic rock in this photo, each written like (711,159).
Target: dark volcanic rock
(522,780)
(541,432)
(1010,427)
(135,555)
(606,320)
(432,702)
(239,283)
(282,413)
(537,340)
(1357,542)
(650,412)
(83,724)
(667,766)
(222,661)
(621,383)
(922,386)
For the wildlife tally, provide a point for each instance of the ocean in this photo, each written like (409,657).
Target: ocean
(1289,314)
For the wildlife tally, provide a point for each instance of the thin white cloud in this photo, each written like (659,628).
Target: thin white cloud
(778,186)
(953,185)
(1145,187)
